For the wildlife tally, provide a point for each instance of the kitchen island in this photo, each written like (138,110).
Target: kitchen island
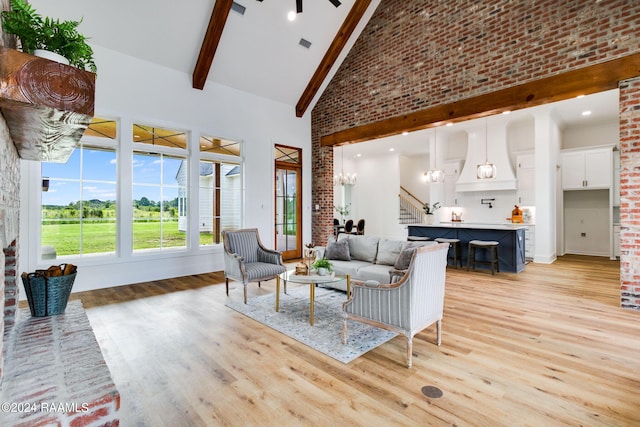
(511,252)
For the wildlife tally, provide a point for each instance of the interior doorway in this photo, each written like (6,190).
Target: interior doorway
(288,201)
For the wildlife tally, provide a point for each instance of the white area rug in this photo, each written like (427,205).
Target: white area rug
(325,336)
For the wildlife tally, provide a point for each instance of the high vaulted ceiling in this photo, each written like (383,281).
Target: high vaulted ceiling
(259,51)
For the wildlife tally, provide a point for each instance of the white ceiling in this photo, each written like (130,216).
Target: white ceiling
(259,51)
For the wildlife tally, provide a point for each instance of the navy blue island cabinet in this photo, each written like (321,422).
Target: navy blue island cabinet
(511,238)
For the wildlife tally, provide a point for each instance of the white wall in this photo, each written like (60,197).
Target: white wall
(135,90)
(586,136)
(375,196)
(412,170)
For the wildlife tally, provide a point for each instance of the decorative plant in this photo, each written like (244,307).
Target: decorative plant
(35,32)
(343,210)
(322,263)
(430,210)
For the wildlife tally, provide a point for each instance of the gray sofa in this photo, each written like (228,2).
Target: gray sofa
(367,258)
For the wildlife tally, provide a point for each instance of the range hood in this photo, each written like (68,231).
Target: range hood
(494,138)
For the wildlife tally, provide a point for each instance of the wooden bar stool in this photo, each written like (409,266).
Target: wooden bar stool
(455,249)
(491,246)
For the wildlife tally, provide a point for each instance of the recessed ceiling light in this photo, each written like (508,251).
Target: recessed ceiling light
(586,113)
(449,124)
(358,155)
(580,96)
(392,149)
(405,133)
(291,16)
(506,112)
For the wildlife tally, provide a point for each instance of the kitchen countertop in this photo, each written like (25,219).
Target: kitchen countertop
(475,225)
(510,237)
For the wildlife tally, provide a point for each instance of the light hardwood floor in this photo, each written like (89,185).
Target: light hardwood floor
(549,346)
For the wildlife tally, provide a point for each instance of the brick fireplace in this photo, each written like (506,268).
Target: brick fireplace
(53,364)
(9,210)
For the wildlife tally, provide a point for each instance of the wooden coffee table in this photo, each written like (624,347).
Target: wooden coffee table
(312,281)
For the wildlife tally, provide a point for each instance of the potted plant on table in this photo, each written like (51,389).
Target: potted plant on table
(343,211)
(323,266)
(429,211)
(37,34)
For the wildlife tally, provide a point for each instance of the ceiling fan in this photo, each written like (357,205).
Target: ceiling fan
(336,3)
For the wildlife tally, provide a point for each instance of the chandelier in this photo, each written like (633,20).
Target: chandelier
(342,178)
(486,170)
(434,175)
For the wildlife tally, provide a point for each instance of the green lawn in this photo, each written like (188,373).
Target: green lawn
(101,236)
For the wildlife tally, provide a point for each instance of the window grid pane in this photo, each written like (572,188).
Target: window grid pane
(79,214)
(160,199)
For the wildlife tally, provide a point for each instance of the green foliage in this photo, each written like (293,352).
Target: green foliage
(430,210)
(35,32)
(322,263)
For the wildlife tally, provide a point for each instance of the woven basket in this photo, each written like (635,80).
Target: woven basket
(47,296)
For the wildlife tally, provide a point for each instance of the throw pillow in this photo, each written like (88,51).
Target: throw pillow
(363,248)
(404,259)
(388,251)
(338,251)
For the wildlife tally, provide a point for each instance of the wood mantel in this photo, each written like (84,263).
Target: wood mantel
(47,105)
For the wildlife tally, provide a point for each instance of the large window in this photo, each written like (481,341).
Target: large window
(78,209)
(160,195)
(220,188)
(82,198)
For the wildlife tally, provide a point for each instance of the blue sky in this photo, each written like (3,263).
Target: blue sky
(99,177)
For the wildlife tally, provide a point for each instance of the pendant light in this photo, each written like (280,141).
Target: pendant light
(434,175)
(343,179)
(486,170)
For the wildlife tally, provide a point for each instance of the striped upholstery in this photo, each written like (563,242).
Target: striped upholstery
(406,307)
(245,243)
(247,260)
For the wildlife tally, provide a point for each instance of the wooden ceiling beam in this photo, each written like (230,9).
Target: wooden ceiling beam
(583,81)
(337,45)
(209,46)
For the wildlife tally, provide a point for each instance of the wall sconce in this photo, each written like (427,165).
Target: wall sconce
(45,184)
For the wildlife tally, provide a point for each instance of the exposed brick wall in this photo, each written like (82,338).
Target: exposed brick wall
(416,55)
(9,211)
(10,283)
(629,193)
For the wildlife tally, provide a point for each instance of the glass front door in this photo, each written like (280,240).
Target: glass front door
(288,203)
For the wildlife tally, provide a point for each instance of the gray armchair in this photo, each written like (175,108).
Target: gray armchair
(247,260)
(408,306)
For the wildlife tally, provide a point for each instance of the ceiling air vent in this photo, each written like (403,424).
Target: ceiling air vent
(305,43)
(237,7)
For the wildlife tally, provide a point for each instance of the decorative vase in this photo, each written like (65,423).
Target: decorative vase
(322,271)
(42,53)
(428,219)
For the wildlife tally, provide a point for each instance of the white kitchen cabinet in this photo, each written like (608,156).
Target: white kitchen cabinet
(526,175)
(587,169)
(530,242)
(451,173)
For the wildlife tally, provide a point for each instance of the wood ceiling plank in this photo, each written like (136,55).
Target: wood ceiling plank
(337,45)
(583,81)
(209,46)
